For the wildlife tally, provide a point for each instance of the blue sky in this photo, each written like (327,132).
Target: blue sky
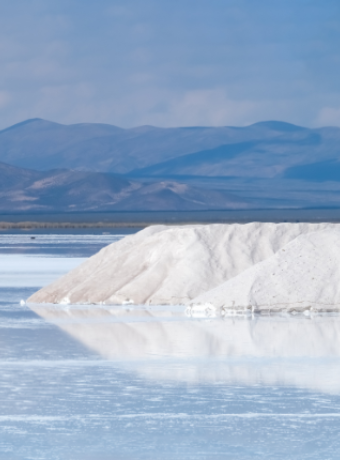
(170,63)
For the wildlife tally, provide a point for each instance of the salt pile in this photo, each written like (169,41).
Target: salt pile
(178,265)
(303,275)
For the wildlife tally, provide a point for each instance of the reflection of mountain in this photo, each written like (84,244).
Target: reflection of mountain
(249,351)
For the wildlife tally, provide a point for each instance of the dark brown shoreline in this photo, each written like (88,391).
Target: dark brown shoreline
(50,225)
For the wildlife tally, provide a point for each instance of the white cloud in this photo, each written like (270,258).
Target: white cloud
(328,116)
(203,107)
(209,107)
(4,99)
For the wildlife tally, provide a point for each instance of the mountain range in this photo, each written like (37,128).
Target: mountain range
(89,166)
(62,190)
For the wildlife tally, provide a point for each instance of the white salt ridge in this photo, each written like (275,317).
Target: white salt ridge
(303,275)
(174,265)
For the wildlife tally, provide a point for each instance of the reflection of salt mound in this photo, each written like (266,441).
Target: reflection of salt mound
(304,274)
(120,333)
(146,337)
(169,265)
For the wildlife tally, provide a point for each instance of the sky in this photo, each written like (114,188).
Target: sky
(170,62)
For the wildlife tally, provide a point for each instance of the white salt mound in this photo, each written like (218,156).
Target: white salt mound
(173,265)
(303,275)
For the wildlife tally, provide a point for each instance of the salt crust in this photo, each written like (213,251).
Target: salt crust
(250,265)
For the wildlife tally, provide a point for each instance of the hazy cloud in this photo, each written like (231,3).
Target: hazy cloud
(329,117)
(4,99)
(170,63)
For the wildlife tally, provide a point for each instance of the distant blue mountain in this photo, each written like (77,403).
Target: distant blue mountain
(265,158)
(263,149)
(62,190)
(267,164)
(320,171)
(212,162)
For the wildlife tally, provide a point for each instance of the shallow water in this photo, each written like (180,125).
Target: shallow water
(95,383)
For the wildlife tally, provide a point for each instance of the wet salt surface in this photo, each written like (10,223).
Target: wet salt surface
(58,245)
(98,383)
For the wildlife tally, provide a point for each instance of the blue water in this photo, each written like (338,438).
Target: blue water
(71,388)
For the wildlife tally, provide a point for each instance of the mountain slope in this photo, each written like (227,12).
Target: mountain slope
(254,159)
(67,191)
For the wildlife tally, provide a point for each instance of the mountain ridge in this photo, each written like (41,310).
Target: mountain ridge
(266,164)
(42,145)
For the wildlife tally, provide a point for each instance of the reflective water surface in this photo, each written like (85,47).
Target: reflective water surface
(95,382)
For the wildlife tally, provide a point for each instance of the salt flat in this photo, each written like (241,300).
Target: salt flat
(29,271)
(147,382)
